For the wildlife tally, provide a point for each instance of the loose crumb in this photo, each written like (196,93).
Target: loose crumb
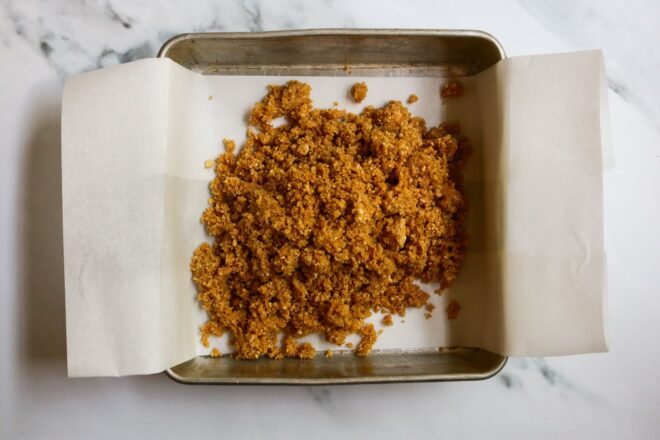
(215,353)
(380,332)
(452,309)
(320,221)
(412,99)
(452,89)
(209,163)
(329,353)
(428,315)
(387,320)
(335,103)
(347,68)
(368,334)
(348,345)
(359,91)
(429,307)
(229,144)
(210,97)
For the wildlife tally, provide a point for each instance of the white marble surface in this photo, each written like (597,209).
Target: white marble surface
(613,395)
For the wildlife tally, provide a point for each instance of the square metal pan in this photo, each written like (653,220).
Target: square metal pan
(340,52)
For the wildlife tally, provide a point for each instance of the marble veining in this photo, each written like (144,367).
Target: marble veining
(611,395)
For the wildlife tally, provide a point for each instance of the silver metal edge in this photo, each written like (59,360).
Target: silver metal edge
(338,381)
(162,53)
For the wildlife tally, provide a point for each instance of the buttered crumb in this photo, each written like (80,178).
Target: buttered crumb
(412,99)
(452,89)
(452,309)
(229,144)
(359,91)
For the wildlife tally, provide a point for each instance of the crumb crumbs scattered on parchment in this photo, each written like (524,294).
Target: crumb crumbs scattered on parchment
(347,68)
(320,221)
(210,97)
(359,91)
(209,163)
(329,354)
(335,104)
(348,345)
(387,320)
(215,353)
(412,99)
(452,309)
(451,89)
(428,315)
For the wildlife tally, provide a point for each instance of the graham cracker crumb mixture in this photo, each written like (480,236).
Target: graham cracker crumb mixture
(359,91)
(229,145)
(324,219)
(452,89)
(452,309)
(412,99)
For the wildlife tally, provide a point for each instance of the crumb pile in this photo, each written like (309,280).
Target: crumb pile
(325,219)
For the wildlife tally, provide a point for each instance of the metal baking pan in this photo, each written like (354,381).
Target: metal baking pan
(340,52)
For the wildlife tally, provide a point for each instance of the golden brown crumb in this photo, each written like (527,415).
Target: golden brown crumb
(335,103)
(329,354)
(209,163)
(324,219)
(359,91)
(387,320)
(215,353)
(229,144)
(210,97)
(452,89)
(349,345)
(368,334)
(452,309)
(412,99)
(429,307)
(380,332)
(428,315)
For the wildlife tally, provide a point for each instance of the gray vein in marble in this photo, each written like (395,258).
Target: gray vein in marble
(518,372)
(323,399)
(114,15)
(253,10)
(509,381)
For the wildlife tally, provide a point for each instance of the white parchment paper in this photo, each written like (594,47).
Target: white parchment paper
(134,141)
